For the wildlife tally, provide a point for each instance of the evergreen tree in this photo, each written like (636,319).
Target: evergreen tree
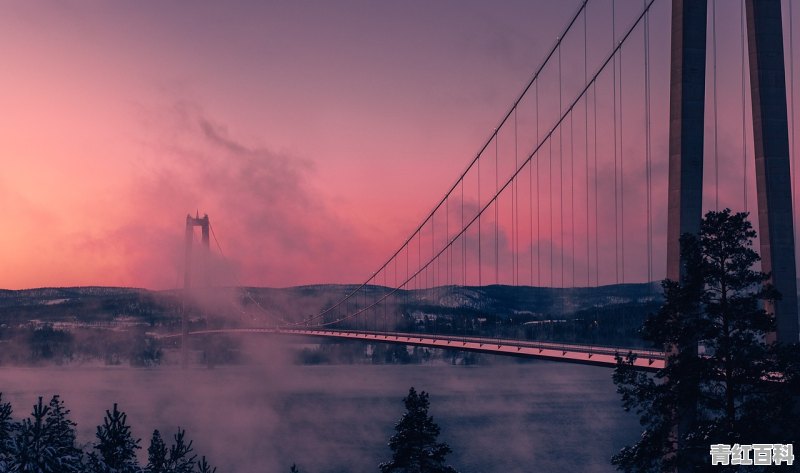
(60,432)
(724,384)
(31,449)
(8,429)
(180,460)
(414,445)
(204,467)
(156,454)
(116,446)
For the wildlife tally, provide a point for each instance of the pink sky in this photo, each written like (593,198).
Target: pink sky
(315,134)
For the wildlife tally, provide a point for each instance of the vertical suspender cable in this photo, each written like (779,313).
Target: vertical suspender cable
(418,277)
(614,120)
(572,187)
(560,174)
(586,139)
(714,98)
(496,215)
(452,278)
(408,251)
(538,200)
(496,208)
(515,217)
(648,146)
(550,171)
(386,302)
(596,205)
(463,241)
(433,255)
(513,209)
(621,177)
(432,283)
(530,211)
(463,251)
(480,269)
(396,286)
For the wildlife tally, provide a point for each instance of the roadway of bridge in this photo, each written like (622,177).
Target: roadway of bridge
(564,352)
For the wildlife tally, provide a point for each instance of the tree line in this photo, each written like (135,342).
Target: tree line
(45,442)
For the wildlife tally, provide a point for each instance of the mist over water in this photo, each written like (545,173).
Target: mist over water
(505,417)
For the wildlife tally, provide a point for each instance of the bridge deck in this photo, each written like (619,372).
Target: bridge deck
(565,352)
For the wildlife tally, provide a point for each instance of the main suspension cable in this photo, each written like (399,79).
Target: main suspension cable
(547,137)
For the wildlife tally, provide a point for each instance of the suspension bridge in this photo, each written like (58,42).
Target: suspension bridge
(632,125)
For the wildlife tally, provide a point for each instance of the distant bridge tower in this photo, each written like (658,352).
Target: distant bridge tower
(192,222)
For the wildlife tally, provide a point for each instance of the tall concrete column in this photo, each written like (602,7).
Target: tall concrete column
(686,130)
(685,200)
(204,225)
(204,257)
(187,267)
(187,284)
(773,176)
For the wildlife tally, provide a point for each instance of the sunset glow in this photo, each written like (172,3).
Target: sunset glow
(301,129)
(316,135)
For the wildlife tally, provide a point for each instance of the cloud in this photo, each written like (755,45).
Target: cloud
(269,221)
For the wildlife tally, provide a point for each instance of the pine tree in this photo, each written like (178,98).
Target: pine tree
(31,450)
(204,467)
(156,454)
(725,384)
(60,434)
(8,429)
(116,446)
(180,460)
(414,445)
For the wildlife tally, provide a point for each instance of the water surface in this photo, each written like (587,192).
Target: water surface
(531,417)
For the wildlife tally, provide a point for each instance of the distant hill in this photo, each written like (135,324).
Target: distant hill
(295,303)
(499,300)
(85,304)
(116,323)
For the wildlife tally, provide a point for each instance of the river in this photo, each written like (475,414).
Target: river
(504,417)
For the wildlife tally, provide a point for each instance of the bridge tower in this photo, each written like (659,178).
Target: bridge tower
(771,138)
(773,178)
(685,186)
(191,223)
